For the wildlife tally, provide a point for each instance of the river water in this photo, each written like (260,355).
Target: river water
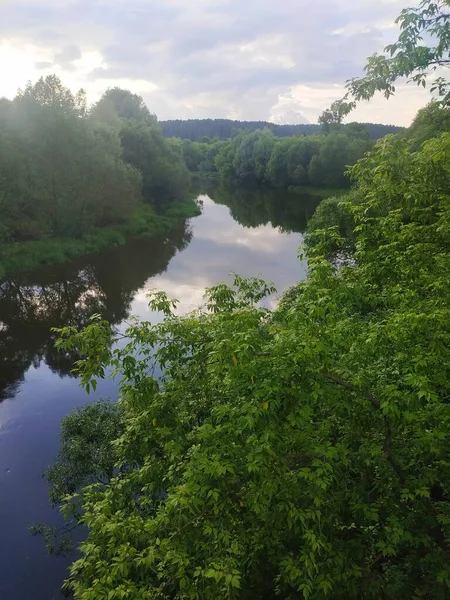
(246,232)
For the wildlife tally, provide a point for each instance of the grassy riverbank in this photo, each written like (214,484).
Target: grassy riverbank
(26,256)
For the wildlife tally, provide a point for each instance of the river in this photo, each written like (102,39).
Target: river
(246,232)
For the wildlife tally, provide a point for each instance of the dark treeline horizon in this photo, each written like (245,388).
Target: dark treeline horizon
(198,129)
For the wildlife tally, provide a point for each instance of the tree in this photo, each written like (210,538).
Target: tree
(86,456)
(126,105)
(198,130)
(164,174)
(60,172)
(409,56)
(336,153)
(429,122)
(50,92)
(160,161)
(332,117)
(301,452)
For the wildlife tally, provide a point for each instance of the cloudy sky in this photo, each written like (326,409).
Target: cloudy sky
(279,60)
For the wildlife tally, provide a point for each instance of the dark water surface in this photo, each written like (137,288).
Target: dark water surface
(250,233)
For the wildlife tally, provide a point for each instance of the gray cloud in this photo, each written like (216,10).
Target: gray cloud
(66,57)
(207,57)
(43,65)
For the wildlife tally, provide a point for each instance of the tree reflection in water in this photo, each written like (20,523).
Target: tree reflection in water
(289,212)
(70,294)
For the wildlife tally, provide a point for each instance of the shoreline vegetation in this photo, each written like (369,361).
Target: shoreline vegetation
(76,179)
(20,257)
(145,222)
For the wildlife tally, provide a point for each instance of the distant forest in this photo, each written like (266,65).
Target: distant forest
(198,129)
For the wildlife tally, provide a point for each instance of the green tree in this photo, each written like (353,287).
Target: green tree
(429,122)
(259,158)
(125,104)
(61,173)
(160,161)
(332,118)
(277,169)
(409,56)
(301,452)
(87,454)
(336,153)
(165,178)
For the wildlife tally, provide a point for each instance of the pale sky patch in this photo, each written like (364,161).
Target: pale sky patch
(253,60)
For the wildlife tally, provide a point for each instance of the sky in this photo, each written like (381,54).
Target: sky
(278,60)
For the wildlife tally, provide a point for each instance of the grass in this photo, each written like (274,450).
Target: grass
(26,256)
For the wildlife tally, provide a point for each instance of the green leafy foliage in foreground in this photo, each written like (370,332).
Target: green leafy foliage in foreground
(421,52)
(299,453)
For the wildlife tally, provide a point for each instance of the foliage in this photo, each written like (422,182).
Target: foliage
(246,156)
(201,156)
(335,214)
(334,116)
(301,452)
(337,152)
(125,105)
(333,226)
(260,158)
(165,177)
(66,170)
(59,174)
(430,122)
(86,453)
(290,161)
(409,56)
(31,254)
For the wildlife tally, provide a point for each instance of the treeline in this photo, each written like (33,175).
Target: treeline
(259,157)
(66,168)
(198,130)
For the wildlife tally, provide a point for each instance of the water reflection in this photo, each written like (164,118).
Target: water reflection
(68,295)
(222,243)
(288,212)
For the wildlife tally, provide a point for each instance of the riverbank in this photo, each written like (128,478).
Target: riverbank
(26,256)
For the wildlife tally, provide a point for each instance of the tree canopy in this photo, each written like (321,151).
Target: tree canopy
(259,157)
(65,168)
(301,452)
(420,53)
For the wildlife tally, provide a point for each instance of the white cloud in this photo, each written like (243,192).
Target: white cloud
(257,59)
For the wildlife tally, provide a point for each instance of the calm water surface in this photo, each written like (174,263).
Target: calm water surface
(244,232)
